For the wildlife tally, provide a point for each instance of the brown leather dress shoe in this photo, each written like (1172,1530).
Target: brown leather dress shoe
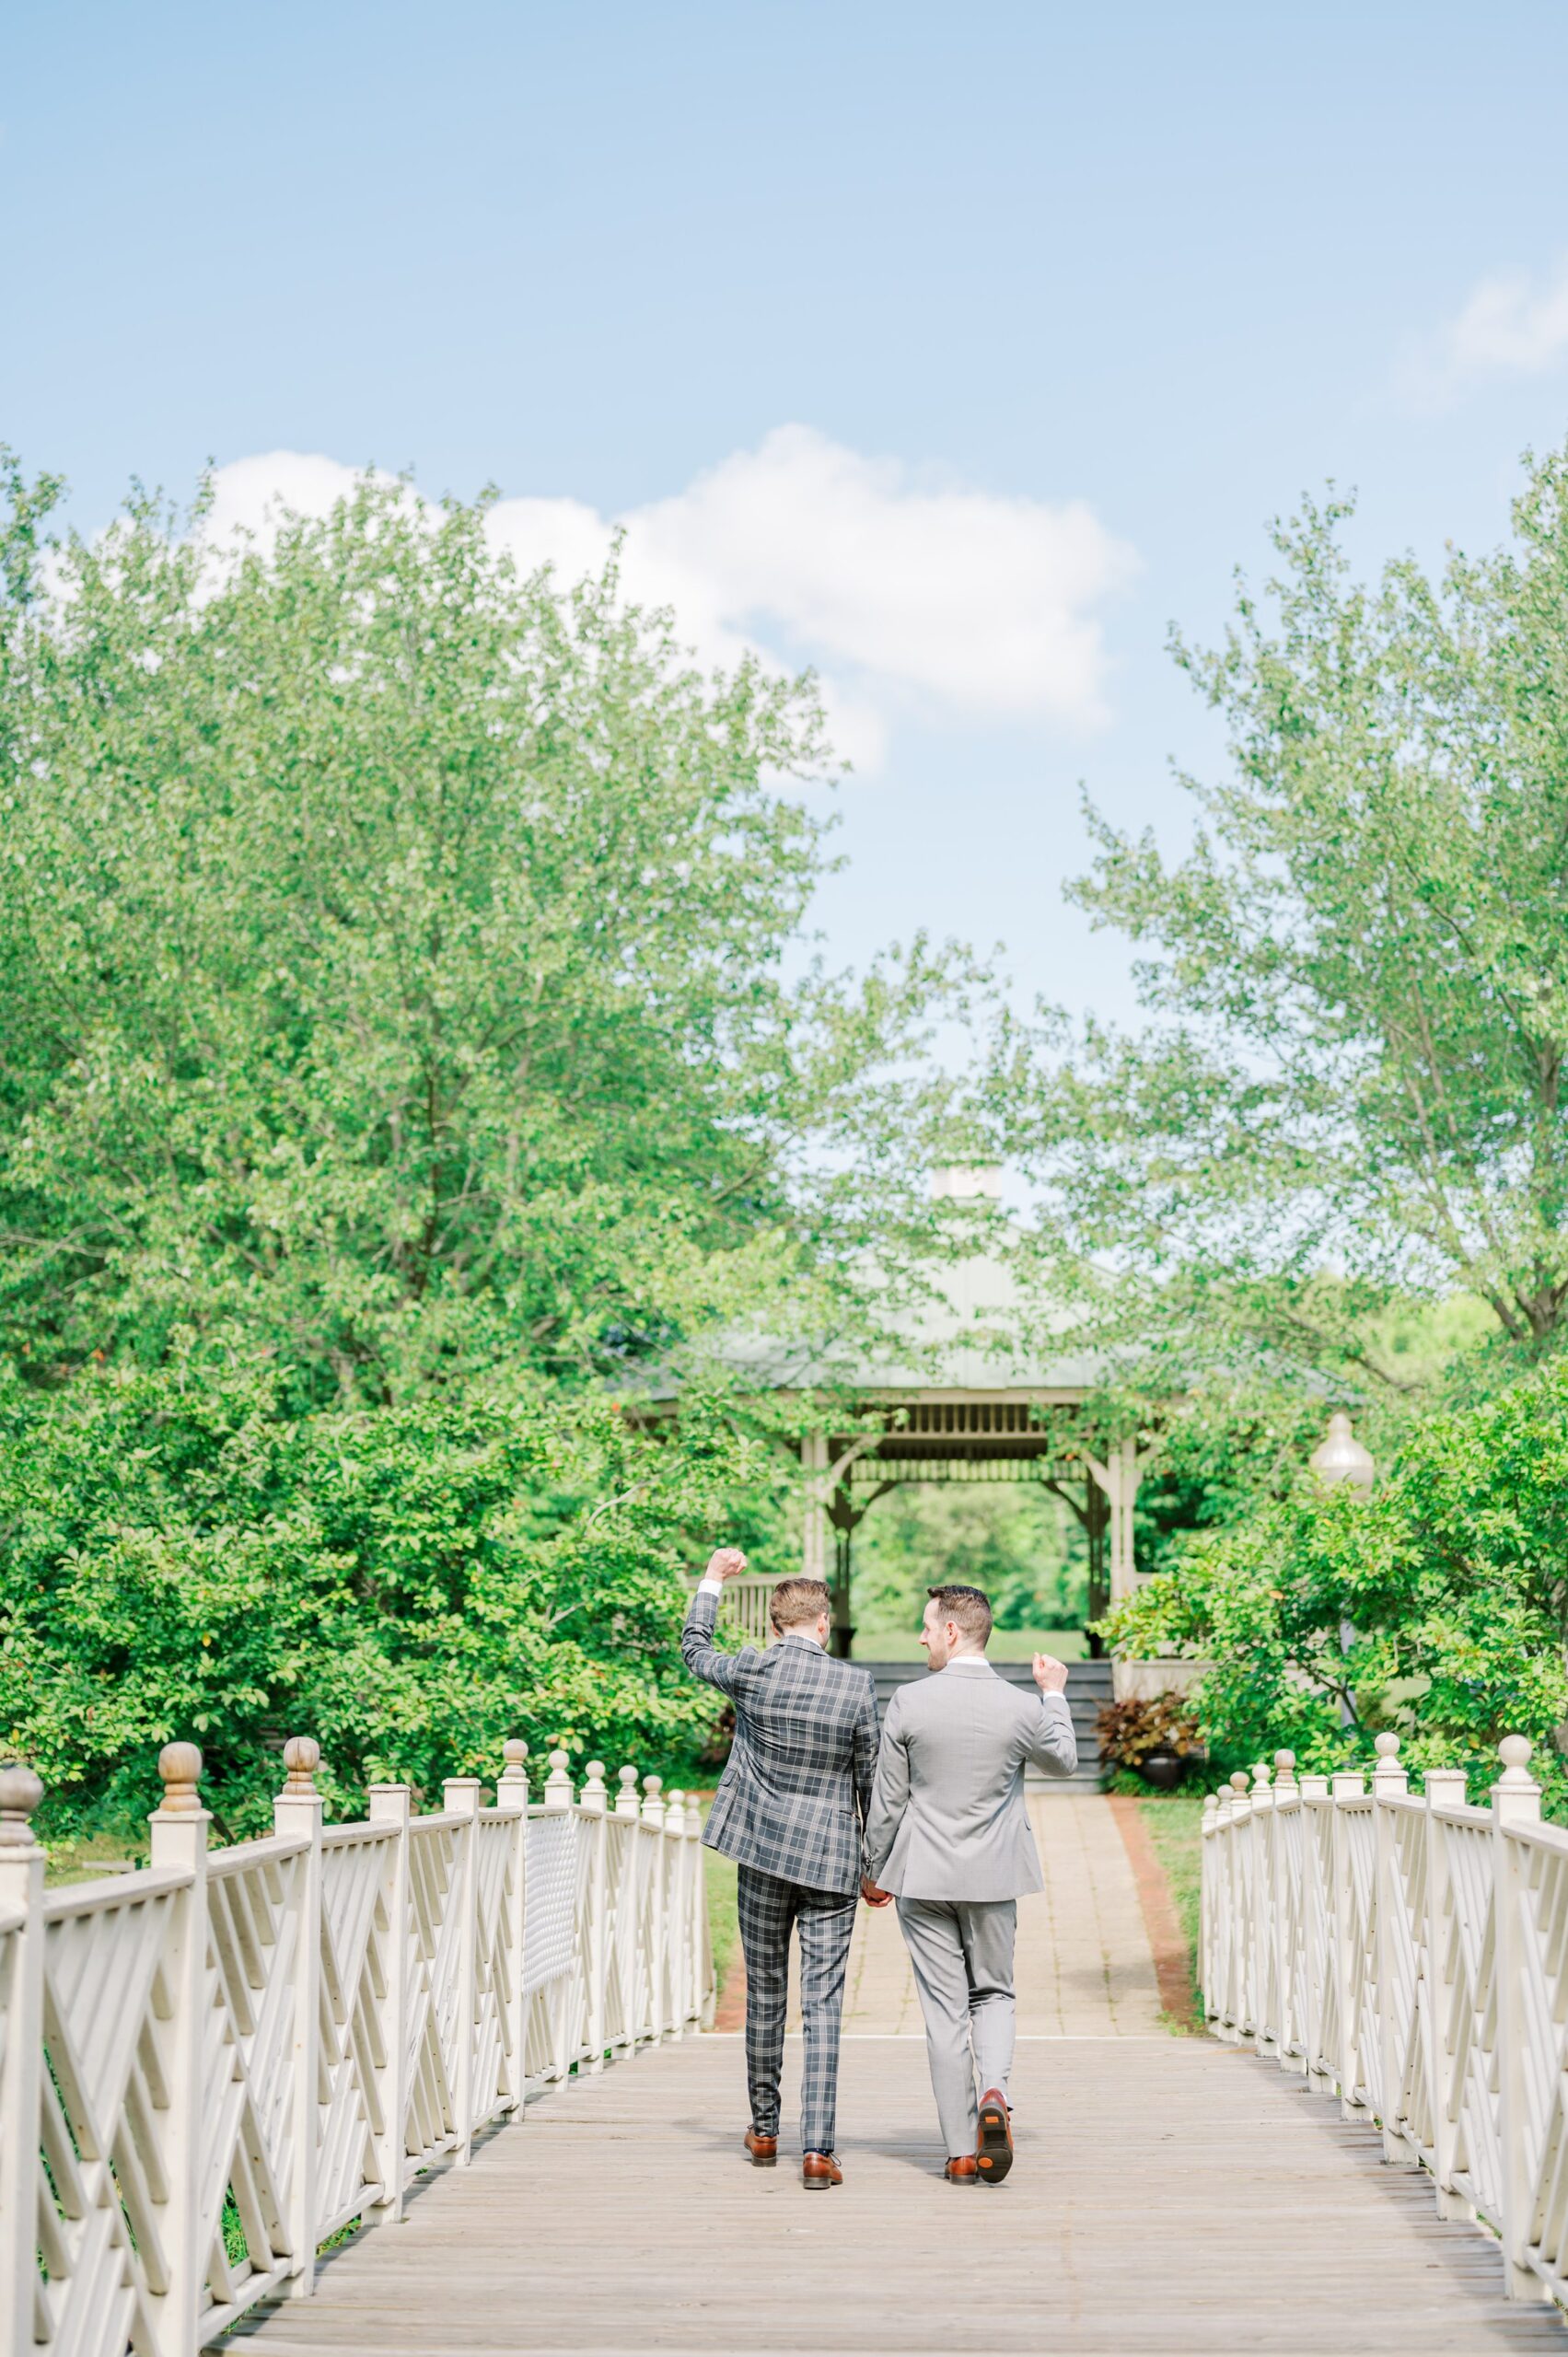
(764,2150)
(960,2169)
(820,2170)
(994,2147)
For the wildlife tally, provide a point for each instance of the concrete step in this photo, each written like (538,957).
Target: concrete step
(1089,1690)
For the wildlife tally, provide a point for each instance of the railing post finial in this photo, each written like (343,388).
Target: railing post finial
(1516,1796)
(626,1798)
(594,1794)
(1285,1776)
(1388,1777)
(653,1803)
(180,1765)
(301,1757)
(21,1792)
(558,1783)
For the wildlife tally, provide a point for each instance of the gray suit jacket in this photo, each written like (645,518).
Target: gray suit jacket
(948,1815)
(798,1784)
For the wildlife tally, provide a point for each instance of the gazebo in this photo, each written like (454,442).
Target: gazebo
(946,1398)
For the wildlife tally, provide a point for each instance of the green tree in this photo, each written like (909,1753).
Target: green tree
(1016,1540)
(402,972)
(1352,1088)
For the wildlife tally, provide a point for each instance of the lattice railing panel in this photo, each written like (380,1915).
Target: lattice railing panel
(1414,1953)
(209,2067)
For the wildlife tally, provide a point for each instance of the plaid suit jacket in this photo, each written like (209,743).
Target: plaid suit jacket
(795,1796)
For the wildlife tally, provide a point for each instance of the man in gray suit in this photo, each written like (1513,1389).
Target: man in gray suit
(789,1809)
(948,1837)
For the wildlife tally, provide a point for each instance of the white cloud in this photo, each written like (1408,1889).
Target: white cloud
(1509,325)
(907,592)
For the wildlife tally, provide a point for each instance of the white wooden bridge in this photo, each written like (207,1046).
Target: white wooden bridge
(213,2068)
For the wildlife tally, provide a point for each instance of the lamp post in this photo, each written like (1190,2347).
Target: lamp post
(1341,1462)
(1340,1459)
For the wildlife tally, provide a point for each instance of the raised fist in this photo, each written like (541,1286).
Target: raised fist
(727,1564)
(1050,1675)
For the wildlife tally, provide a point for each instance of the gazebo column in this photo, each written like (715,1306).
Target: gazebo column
(843,1518)
(813,1508)
(1117,1481)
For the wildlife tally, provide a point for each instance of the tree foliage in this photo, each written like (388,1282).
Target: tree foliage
(1352,1085)
(394,955)
(1436,1607)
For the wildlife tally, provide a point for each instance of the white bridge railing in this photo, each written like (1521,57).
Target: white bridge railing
(209,2067)
(1410,1954)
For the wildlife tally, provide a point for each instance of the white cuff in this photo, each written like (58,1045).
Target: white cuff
(709,1588)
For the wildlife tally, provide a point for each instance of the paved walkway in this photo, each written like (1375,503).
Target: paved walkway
(1083,1964)
(1169,2195)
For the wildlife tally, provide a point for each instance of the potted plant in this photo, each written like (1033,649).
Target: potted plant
(1154,1735)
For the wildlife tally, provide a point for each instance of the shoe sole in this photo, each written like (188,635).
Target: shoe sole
(994,2157)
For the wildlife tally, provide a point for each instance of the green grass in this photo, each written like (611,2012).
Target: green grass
(1007,1644)
(85,1859)
(1175,1827)
(723,1927)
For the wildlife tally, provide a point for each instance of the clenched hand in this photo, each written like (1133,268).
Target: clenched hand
(727,1564)
(1050,1675)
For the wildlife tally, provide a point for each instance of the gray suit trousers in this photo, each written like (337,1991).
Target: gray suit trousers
(962,1953)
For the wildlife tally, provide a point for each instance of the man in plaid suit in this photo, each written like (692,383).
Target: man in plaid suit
(790,1809)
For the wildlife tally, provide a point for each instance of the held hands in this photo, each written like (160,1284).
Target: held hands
(727,1564)
(872,1895)
(1050,1675)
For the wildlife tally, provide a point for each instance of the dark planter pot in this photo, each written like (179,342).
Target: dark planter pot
(1163,1769)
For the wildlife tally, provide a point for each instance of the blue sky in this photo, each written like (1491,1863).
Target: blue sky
(1060,303)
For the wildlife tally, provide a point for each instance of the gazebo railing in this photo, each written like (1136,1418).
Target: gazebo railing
(1408,1953)
(743,1605)
(209,2067)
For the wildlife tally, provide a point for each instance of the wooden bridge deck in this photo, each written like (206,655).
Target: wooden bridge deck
(1170,2194)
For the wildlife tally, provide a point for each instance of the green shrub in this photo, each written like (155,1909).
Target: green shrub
(410,1586)
(1436,1607)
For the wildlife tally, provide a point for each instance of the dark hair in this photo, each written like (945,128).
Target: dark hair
(794,1602)
(969,1606)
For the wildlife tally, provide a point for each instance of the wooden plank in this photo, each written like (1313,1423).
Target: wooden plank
(1169,2195)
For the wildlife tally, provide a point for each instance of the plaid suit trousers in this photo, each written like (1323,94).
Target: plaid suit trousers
(769,1907)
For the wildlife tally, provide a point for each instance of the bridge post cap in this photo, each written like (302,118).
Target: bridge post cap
(626,1776)
(21,1792)
(1261,1777)
(1238,1781)
(180,1765)
(301,1757)
(1386,1745)
(652,1784)
(514,1751)
(1283,1762)
(596,1770)
(1515,1751)
(557,1762)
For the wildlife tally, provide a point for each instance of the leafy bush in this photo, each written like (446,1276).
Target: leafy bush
(1436,1607)
(410,1586)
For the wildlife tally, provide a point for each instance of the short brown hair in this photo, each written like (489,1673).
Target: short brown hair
(969,1606)
(794,1601)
